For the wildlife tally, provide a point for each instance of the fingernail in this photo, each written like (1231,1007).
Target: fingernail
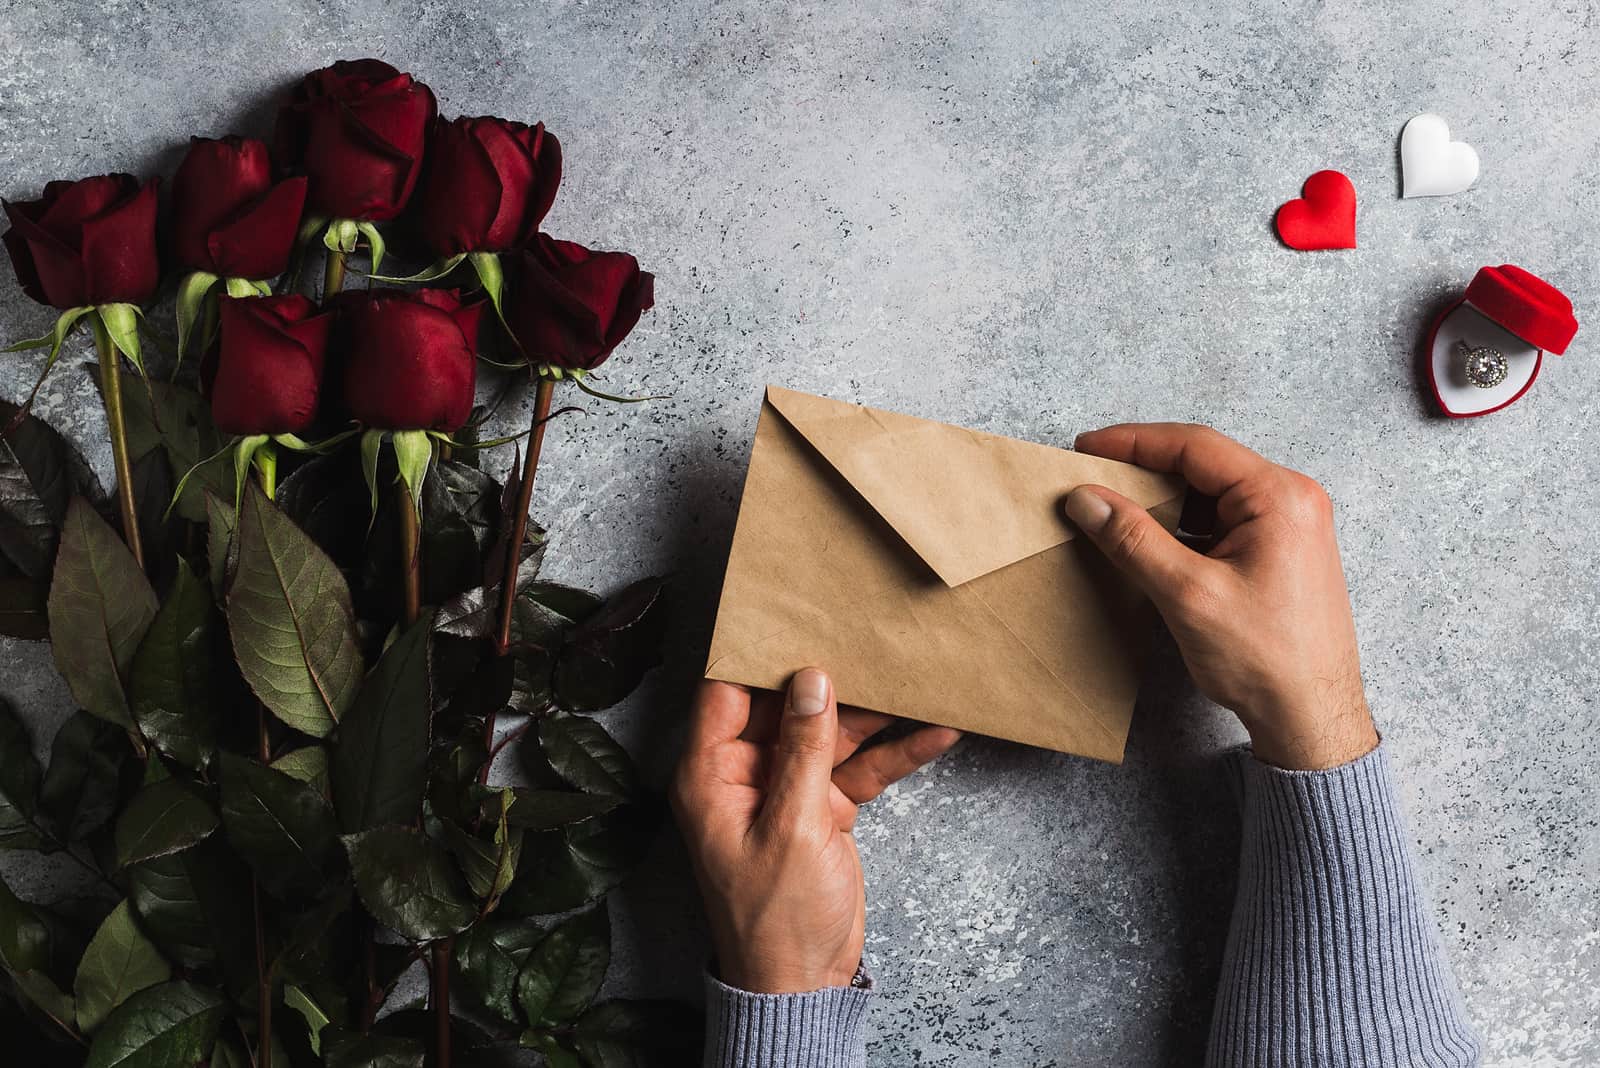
(808,693)
(1087,509)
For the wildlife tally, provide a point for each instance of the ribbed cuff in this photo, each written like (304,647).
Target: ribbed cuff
(1332,957)
(820,1029)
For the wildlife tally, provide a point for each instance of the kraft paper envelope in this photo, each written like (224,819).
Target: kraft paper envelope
(928,569)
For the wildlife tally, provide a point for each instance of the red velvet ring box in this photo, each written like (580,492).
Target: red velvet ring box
(1512,312)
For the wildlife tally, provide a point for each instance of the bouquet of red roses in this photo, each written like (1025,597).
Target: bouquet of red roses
(306,623)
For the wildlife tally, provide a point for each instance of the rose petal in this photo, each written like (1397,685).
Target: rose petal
(257,240)
(21,239)
(512,164)
(68,204)
(119,251)
(460,196)
(216,179)
(267,380)
(408,366)
(547,178)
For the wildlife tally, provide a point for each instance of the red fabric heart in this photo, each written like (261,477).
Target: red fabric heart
(1323,217)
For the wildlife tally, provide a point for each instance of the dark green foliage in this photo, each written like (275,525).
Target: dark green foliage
(270,780)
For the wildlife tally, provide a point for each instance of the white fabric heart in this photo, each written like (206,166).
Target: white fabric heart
(1431,164)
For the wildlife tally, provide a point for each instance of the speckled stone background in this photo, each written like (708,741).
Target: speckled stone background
(1031,219)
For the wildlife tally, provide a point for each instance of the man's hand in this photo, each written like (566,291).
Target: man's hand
(1263,620)
(766,796)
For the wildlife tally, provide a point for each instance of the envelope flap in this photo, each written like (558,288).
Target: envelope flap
(966,502)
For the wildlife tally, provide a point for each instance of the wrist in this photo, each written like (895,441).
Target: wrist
(1294,740)
(758,976)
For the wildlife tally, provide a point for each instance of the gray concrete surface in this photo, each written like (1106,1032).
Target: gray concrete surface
(1031,219)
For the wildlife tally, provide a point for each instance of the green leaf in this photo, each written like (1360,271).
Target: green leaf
(371,445)
(544,810)
(178,420)
(587,757)
(432,273)
(564,972)
(19,783)
(195,905)
(542,617)
(162,818)
(192,293)
(309,764)
(121,322)
(242,288)
(374,1051)
(640,1034)
(340,235)
(292,623)
(244,450)
(40,471)
(555,1054)
(282,828)
(408,883)
(173,1025)
(380,763)
(228,1055)
(489,958)
(565,869)
(43,992)
(315,1018)
(413,451)
(24,938)
(374,243)
(170,682)
(81,787)
(488,864)
(492,277)
(119,962)
(100,606)
(54,340)
(220,558)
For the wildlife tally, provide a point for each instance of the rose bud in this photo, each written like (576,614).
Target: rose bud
(488,185)
(268,364)
(357,129)
(569,306)
(228,217)
(92,241)
(409,358)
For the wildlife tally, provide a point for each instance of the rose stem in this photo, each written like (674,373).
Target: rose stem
(265,477)
(333,275)
(442,949)
(519,530)
(519,525)
(410,554)
(111,392)
(439,983)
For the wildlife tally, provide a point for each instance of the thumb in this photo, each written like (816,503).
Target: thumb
(1133,540)
(802,766)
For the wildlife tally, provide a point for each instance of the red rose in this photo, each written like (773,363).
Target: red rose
(227,216)
(410,362)
(357,129)
(269,359)
(92,241)
(488,185)
(570,307)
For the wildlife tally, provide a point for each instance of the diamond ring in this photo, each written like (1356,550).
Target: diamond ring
(1485,367)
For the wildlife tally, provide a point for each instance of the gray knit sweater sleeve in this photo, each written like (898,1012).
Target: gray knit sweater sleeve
(822,1029)
(1332,958)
